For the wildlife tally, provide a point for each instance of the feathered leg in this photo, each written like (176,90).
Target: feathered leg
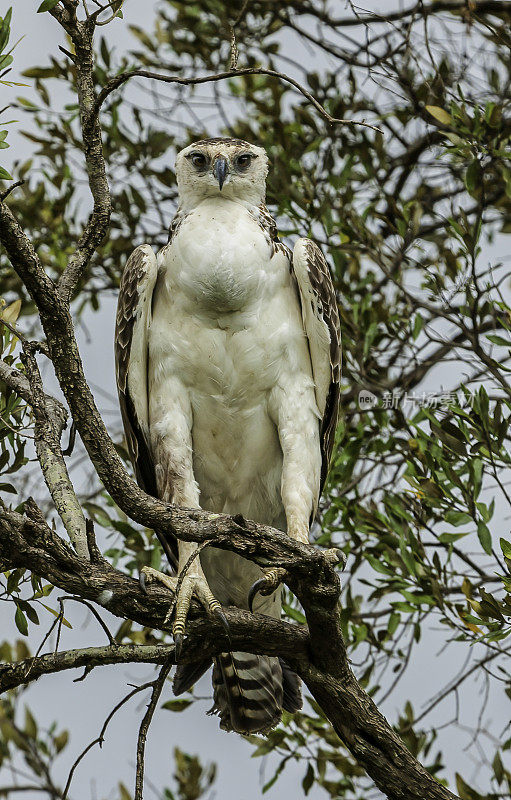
(170,423)
(294,411)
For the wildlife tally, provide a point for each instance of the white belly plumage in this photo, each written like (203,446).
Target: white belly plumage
(221,328)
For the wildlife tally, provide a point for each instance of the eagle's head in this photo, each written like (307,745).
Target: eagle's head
(230,168)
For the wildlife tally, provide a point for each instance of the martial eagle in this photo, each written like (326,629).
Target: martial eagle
(228,369)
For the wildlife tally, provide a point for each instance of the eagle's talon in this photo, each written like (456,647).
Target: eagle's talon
(178,644)
(266,585)
(336,557)
(254,589)
(223,619)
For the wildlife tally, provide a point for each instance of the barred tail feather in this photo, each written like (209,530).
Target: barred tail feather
(188,674)
(291,683)
(248,692)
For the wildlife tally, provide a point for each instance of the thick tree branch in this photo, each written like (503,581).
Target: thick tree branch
(28,541)
(82,34)
(23,257)
(50,420)
(47,430)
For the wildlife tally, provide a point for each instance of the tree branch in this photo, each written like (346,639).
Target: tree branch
(28,541)
(30,669)
(82,34)
(48,430)
(119,80)
(50,420)
(144,727)
(498,7)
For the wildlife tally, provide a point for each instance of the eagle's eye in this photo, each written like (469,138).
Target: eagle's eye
(243,161)
(198,160)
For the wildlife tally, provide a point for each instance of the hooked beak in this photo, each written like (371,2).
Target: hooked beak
(220,170)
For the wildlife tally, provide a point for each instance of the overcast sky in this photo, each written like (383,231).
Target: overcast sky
(82,707)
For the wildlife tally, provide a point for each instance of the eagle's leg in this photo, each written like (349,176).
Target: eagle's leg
(170,425)
(294,410)
(185,587)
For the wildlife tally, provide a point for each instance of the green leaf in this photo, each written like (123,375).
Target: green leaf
(30,612)
(21,621)
(499,340)
(61,740)
(378,566)
(177,705)
(407,557)
(484,535)
(56,614)
(465,791)
(47,5)
(473,175)
(457,518)
(393,622)
(7,19)
(440,114)
(447,538)
(417,326)
(498,768)
(30,724)
(308,780)
(294,614)
(506,548)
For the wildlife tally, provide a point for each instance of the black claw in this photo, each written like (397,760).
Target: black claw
(143,582)
(254,589)
(342,561)
(223,619)
(178,642)
(338,558)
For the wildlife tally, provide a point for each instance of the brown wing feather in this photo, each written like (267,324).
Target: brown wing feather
(138,449)
(321,282)
(126,308)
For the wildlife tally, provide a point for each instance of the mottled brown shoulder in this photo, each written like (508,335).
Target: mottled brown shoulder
(326,308)
(126,308)
(176,223)
(269,227)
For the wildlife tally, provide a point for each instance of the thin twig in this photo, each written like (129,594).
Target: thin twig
(119,80)
(91,609)
(144,727)
(11,188)
(101,738)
